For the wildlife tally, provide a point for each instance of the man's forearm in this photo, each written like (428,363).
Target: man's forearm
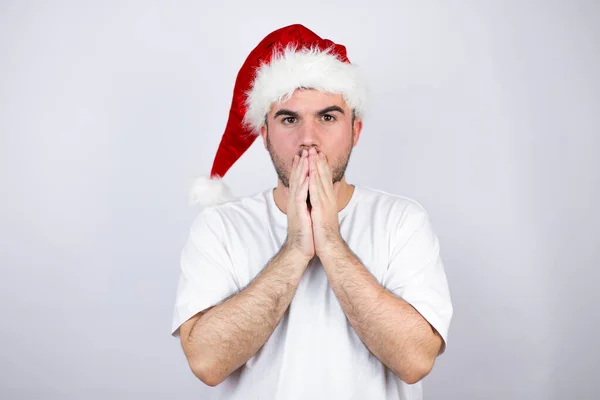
(227,335)
(390,327)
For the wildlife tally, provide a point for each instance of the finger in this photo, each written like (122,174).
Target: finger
(302,194)
(305,166)
(324,165)
(293,172)
(312,161)
(294,167)
(325,178)
(314,186)
(303,173)
(295,180)
(321,185)
(302,156)
(292,185)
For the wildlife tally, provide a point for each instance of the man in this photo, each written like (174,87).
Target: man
(318,288)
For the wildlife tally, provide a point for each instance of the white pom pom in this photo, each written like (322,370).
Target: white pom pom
(209,192)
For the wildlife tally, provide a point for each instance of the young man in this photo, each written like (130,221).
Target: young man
(317,288)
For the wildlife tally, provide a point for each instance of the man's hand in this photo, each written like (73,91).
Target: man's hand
(323,198)
(300,231)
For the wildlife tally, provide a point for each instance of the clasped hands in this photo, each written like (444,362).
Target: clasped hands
(312,230)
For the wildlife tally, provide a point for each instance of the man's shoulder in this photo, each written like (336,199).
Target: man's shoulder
(249,206)
(387,202)
(393,212)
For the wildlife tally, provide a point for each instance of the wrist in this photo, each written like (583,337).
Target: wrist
(334,248)
(294,254)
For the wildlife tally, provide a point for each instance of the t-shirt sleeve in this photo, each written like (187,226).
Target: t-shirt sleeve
(416,273)
(206,276)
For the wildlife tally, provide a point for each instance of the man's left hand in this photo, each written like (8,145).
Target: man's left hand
(323,199)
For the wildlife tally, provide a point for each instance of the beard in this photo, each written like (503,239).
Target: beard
(338,166)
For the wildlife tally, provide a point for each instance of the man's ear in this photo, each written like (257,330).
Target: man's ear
(263,134)
(356,130)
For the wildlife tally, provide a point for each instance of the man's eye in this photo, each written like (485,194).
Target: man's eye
(288,120)
(328,118)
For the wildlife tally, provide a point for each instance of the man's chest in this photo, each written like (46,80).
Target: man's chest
(251,251)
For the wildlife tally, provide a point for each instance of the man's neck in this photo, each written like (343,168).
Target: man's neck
(343,194)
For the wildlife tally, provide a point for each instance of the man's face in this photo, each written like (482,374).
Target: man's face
(310,118)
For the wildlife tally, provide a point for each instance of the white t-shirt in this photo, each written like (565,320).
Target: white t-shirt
(314,353)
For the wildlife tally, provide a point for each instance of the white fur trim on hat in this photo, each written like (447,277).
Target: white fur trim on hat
(291,69)
(209,192)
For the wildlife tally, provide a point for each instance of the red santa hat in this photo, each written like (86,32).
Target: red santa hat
(287,59)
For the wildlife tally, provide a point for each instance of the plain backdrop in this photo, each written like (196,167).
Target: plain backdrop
(486,112)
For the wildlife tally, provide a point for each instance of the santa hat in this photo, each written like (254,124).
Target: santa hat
(287,59)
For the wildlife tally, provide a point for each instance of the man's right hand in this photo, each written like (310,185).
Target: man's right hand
(300,232)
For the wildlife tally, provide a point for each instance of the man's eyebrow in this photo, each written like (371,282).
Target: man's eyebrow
(331,109)
(289,113)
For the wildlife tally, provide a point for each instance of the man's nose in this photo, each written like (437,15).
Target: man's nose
(309,134)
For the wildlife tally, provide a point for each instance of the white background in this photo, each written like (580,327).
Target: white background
(486,112)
